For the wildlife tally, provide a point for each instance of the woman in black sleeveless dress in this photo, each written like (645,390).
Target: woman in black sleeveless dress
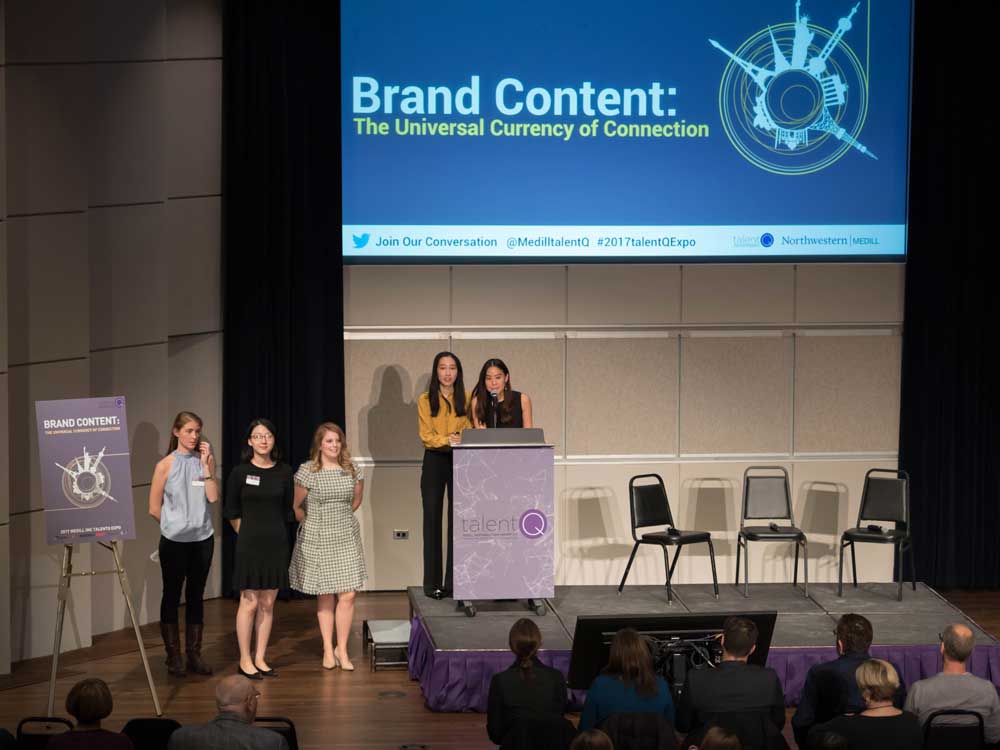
(510,408)
(258,505)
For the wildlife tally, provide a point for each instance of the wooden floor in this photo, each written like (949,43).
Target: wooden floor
(330,709)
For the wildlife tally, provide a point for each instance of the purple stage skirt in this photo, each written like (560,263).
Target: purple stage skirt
(460,680)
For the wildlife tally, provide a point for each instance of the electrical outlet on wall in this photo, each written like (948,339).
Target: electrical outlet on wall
(400,533)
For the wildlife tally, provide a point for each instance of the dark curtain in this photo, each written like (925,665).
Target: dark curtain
(949,417)
(283,353)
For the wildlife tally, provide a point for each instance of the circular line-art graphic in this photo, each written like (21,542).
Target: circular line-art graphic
(794,97)
(533,523)
(86,481)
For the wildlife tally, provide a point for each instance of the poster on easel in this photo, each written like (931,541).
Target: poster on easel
(83,454)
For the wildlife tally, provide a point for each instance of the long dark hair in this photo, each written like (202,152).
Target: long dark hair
(434,390)
(631,662)
(482,396)
(268,425)
(525,639)
(182,418)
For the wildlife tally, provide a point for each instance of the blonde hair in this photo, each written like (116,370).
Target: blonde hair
(877,680)
(344,459)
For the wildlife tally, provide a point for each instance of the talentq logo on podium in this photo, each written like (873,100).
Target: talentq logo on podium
(533,523)
(794,96)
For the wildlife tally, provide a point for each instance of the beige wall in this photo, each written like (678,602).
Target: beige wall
(109,269)
(692,372)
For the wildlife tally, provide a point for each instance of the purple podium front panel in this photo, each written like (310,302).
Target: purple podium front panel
(504,542)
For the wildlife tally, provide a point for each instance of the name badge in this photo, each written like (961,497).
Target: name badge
(197,482)
(251,479)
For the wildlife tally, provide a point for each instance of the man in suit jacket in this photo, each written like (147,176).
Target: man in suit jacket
(232,729)
(744,697)
(830,689)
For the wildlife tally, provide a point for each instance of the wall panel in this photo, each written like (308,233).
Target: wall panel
(194,128)
(504,296)
(128,276)
(194,366)
(847,393)
(48,300)
(624,295)
(736,395)
(194,28)
(5,619)
(4,452)
(536,368)
(849,293)
(738,294)
(392,501)
(384,382)
(397,295)
(194,265)
(613,387)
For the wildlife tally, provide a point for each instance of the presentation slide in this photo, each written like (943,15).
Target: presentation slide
(646,130)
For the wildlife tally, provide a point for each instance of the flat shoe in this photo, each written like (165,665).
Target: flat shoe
(267,672)
(250,675)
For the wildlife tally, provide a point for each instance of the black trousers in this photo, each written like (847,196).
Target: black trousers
(435,479)
(184,563)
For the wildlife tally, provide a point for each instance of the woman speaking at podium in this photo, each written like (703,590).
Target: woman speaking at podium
(443,414)
(494,404)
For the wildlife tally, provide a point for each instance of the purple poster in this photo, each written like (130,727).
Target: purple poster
(83,456)
(504,526)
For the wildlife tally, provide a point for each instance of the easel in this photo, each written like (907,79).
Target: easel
(64,581)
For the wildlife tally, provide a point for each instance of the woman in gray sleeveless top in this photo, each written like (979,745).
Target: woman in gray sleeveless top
(183,485)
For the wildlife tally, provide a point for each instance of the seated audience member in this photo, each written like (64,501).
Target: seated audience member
(236,698)
(955,688)
(830,688)
(592,739)
(831,741)
(743,697)
(88,702)
(880,726)
(527,693)
(7,740)
(627,685)
(717,738)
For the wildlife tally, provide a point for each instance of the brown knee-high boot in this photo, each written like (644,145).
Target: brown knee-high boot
(192,641)
(172,643)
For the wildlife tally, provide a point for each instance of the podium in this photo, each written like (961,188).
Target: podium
(504,527)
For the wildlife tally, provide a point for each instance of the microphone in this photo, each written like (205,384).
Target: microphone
(493,406)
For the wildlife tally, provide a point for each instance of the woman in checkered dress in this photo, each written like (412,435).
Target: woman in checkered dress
(328,559)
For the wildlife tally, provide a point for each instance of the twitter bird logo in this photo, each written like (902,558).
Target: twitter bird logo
(360,240)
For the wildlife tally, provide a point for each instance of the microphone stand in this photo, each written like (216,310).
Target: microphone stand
(494,406)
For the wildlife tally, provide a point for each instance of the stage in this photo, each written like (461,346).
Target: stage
(453,656)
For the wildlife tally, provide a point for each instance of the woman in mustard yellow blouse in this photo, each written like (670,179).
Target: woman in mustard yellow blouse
(443,412)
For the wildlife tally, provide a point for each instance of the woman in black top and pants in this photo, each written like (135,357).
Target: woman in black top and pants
(528,699)
(510,408)
(258,505)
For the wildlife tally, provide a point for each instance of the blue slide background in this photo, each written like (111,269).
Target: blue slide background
(610,181)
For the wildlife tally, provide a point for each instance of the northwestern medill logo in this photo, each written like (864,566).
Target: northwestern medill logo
(533,523)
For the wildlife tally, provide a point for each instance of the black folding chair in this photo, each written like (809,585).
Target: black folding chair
(766,495)
(884,498)
(968,735)
(650,506)
(283,726)
(150,733)
(34,732)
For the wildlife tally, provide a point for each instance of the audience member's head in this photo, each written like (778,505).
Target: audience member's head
(739,638)
(525,639)
(717,738)
(89,701)
(591,739)
(854,634)
(631,662)
(236,694)
(832,741)
(957,642)
(877,680)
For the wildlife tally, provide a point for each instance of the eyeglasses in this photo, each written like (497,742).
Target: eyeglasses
(263,437)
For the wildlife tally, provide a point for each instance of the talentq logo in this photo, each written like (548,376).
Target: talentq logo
(360,240)
(533,523)
(766,239)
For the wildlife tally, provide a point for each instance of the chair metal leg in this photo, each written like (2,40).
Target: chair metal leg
(715,578)
(628,567)
(746,572)
(854,566)
(913,565)
(805,565)
(739,548)
(676,555)
(840,571)
(795,570)
(897,554)
(670,572)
